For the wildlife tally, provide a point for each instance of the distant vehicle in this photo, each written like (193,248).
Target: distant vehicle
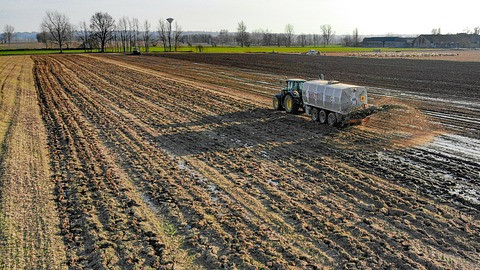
(313,52)
(327,102)
(136,51)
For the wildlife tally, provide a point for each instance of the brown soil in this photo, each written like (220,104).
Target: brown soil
(166,163)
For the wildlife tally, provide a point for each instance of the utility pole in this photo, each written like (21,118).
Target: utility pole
(170,20)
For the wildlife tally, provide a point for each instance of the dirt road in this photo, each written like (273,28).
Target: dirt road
(170,163)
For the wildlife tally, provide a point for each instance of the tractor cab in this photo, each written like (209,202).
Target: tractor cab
(294,85)
(290,98)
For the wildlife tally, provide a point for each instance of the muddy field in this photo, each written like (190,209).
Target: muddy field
(443,79)
(165,163)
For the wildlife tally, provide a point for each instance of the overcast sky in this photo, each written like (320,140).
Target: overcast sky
(370,16)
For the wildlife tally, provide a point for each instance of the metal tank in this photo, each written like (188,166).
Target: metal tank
(333,96)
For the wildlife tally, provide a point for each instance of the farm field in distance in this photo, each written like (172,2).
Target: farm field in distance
(177,161)
(39,48)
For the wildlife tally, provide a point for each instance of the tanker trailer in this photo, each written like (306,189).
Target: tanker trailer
(332,102)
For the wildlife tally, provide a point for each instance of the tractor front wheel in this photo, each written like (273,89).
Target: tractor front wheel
(277,103)
(290,105)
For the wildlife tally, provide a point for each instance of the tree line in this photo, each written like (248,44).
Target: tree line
(102,32)
(265,37)
(287,38)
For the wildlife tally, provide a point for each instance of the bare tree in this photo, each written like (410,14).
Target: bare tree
(8,32)
(256,37)
(223,37)
(327,34)
(436,31)
(347,40)
(267,38)
(289,34)
(70,35)
(131,34)
(135,31)
(103,26)
(147,35)
(242,35)
(476,30)
(58,25)
(356,38)
(177,36)
(279,39)
(43,37)
(316,40)
(162,33)
(302,39)
(122,28)
(84,34)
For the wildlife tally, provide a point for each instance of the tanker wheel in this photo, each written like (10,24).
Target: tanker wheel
(290,105)
(332,119)
(277,103)
(314,113)
(322,116)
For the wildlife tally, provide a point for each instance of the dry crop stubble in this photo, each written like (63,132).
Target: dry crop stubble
(29,233)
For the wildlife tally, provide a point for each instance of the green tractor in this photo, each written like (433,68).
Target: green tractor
(290,98)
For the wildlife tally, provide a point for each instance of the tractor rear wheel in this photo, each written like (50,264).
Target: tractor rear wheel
(277,103)
(332,119)
(290,105)
(322,116)
(314,112)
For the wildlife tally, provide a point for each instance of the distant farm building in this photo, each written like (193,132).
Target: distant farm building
(447,41)
(388,42)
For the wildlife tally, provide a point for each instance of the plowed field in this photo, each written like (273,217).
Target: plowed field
(165,163)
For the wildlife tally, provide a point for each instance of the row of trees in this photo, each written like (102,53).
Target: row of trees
(103,32)
(288,38)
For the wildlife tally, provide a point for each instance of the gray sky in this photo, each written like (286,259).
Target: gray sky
(370,16)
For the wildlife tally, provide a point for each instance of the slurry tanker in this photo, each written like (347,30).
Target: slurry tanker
(327,102)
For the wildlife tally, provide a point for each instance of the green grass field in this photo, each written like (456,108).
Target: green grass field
(220,49)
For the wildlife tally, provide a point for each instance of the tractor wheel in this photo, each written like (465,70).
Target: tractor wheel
(322,117)
(332,119)
(314,112)
(277,103)
(290,105)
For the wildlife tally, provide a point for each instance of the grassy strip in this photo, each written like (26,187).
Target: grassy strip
(208,49)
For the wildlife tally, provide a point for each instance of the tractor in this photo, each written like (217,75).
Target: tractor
(290,98)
